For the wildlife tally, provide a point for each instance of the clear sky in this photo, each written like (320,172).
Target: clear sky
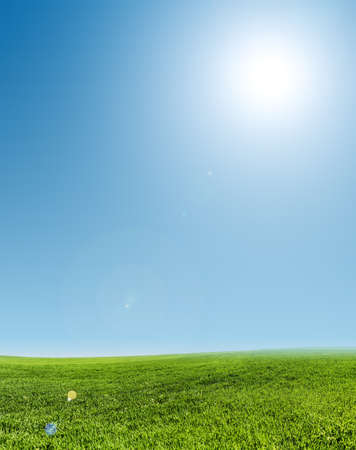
(148,204)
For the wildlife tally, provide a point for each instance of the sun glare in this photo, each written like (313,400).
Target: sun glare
(266,76)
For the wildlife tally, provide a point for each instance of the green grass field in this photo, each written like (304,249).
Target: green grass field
(247,400)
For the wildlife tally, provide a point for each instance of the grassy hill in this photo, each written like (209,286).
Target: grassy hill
(247,400)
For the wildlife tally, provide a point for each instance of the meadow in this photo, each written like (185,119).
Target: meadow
(243,400)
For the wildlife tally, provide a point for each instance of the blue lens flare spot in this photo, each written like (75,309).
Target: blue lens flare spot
(50,429)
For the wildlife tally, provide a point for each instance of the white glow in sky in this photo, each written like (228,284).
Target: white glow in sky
(270,78)
(266,75)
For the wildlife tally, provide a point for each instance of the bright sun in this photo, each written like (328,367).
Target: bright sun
(266,76)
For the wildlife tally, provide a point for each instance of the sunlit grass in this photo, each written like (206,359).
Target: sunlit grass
(272,400)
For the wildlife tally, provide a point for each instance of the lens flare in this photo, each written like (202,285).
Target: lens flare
(72,395)
(50,429)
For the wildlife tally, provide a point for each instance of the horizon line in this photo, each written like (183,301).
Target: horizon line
(263,349)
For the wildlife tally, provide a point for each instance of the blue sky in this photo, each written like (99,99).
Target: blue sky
(144,208)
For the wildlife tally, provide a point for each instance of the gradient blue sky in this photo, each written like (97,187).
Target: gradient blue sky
(144,212)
